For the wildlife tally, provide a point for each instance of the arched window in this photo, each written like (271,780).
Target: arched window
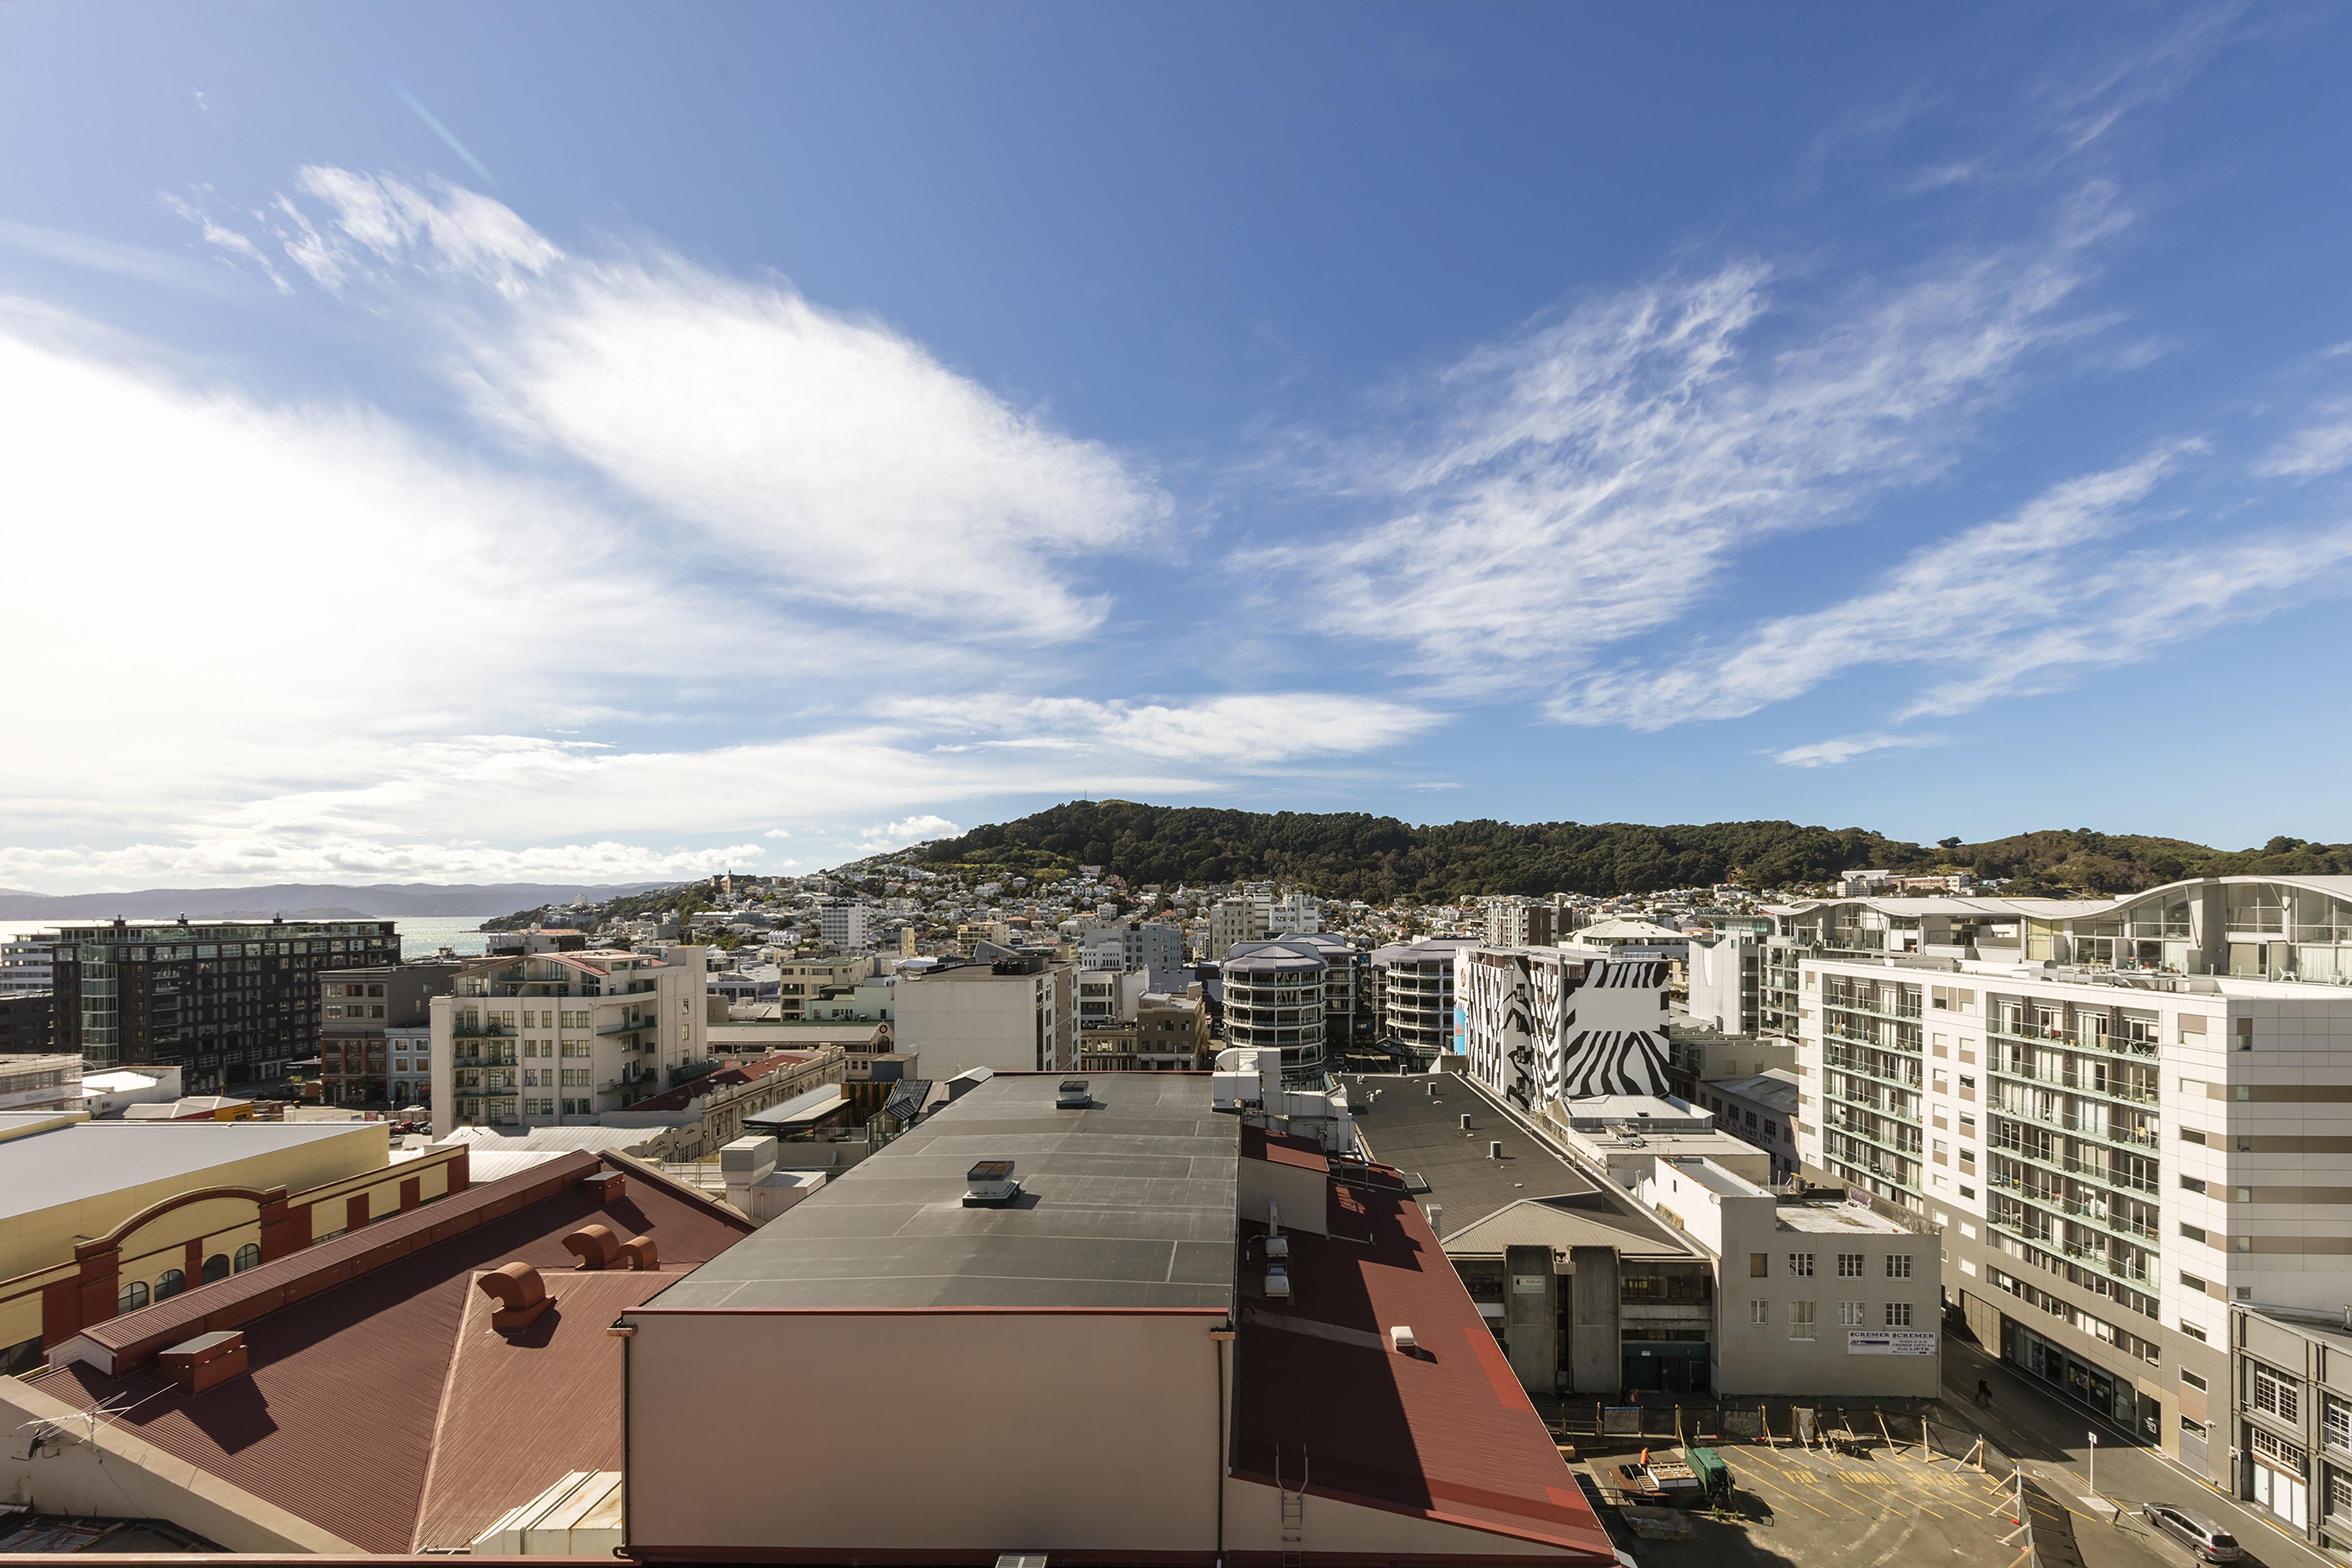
(170,1284)
(133,1296)
(217,1266)
(247,1256)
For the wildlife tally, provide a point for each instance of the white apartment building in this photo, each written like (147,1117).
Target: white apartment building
(1413,993)
(1275,1001)
(1108,997)
(1546,1023)
(533,1040)
(2127,1115)
(1295,914)
(1725,984)
(844,924)
(1014,1015)
(1513,922)
(409,1051)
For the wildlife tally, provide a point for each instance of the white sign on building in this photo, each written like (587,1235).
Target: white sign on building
(1890,1341)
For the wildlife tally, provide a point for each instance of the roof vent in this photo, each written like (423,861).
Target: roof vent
(1466,1122)
(642,1254)
(520,1293)
(1073,1095)
(1277,1246)
(204,1362)
(1494,1150)
(606,1185)
(1400,1341)
(594,1245)
(990,1184)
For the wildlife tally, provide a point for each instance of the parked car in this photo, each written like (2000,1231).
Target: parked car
(2201,1535)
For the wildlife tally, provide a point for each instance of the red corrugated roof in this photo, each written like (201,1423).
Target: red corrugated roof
(370,1410)
(1283,1148)
(1448,1435)
(686,1093)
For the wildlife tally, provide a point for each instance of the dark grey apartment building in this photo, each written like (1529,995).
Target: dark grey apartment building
(2287,1420)
(227,1001)
(358,1008)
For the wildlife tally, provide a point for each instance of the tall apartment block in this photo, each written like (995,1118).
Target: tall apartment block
(537,1040)
(2129,1115)
(1548,1023)
(1413,993)
(226,1002)
(1295,994)
(1521,923)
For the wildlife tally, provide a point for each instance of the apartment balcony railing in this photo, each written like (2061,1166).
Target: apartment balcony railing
(2076,1082)
(634,1027)
(1843,1063)
(466,1031)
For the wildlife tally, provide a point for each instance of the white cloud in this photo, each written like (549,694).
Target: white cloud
(883,838)
(1593,479)
(831,455)
(777,833)
(1246,731)
(2322,446)
(230,240)
(2022,605)
(1845,748)
(246,862)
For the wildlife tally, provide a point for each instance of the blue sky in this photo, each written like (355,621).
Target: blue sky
(461,443)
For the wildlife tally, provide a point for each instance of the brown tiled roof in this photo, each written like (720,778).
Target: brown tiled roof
(1447,1433)
(377,1406)
(686,1093)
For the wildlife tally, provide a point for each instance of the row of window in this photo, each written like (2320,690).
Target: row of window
(1851,1315)
(171,1281)
(1850,1264)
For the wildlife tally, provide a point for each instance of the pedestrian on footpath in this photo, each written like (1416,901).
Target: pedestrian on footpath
(1984,1394)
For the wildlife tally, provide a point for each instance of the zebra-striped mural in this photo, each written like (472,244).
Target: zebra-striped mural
(1547,1026)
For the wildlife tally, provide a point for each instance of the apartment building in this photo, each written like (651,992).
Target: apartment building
(1724,983)
(1521,923)
(1154,949)
(26,964)
(845,925)
(359,1009)
(533,1040)
(1546,1024)
(1016,1014)
(1413,993)
(1165,1033)
(800,982)
(1295,914)
(28,1022)
(1275,1001)
(2136,1115)
(227,1001)
(2287,1416)
(1233,922)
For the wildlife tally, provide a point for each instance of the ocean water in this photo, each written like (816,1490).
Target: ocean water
(419,938)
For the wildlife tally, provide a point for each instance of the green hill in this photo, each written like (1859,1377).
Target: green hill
(1350,855)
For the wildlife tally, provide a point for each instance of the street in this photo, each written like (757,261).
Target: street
(2050,1437)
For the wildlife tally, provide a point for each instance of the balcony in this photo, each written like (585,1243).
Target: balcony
(482,1032)
(639,1026)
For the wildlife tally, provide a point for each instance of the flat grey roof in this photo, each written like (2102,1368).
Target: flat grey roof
(1129,1203)
(90,1159)
(1420,1132)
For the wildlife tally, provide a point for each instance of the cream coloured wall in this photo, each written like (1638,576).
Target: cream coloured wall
(1039,1431)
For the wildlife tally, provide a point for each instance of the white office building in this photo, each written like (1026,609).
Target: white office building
(1013,1014)
(27,965)
(1149,946)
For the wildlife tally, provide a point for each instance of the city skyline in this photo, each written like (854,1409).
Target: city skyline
(452,450)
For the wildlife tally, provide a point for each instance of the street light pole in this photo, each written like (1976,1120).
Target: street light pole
(2095,1467)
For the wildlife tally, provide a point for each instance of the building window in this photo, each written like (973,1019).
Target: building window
(132,1296)
(2190,1184)
(2273,1395)
(1760,1311)
(1801,1265)
(170,1284)
(1898,1266)
(247,1256)
(217,1266)
(1849,1265)
(1898,1314)
(1800,1320)
(1851,1315)
(2335,1423)
(1756,1265)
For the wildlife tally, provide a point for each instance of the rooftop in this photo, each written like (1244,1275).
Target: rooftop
(1322,1402)
(80,1159)
(1835,1218)
(1415,1126)
(1127,1203)
(380,1406)
(1776,1088)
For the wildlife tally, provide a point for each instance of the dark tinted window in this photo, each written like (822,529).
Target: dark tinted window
(2222,1540)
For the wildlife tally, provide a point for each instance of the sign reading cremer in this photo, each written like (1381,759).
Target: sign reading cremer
(1890,1341)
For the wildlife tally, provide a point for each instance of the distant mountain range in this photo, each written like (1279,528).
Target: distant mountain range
(1379,858)
(311,900)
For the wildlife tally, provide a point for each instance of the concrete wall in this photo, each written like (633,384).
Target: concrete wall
(1303,1196)
(1045,1432)
(983,1021)
(1833,1359)
(1594,1363)
(100,1470)
(1531,1317)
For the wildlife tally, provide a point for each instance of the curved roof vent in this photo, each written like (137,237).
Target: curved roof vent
(520,1293)
(595,1246)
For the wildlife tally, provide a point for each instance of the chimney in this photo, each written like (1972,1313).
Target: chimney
(606,1186)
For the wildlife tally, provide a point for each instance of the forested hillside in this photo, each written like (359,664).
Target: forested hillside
(1349,855)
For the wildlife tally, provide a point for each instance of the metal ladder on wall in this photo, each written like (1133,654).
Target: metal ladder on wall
(1293,1511)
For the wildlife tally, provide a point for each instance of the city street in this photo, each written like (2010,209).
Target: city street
(2051,1438)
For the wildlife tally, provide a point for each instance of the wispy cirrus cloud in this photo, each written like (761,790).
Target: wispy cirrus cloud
(1844,749)
(2025,605)
(2323,446)
(1594,478)
(1244,731)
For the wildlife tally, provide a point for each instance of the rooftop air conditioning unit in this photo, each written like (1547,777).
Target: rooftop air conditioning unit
(990,1184)
(1278,1282)
(1278,1247)
(1401,1340)
(1073,1095)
